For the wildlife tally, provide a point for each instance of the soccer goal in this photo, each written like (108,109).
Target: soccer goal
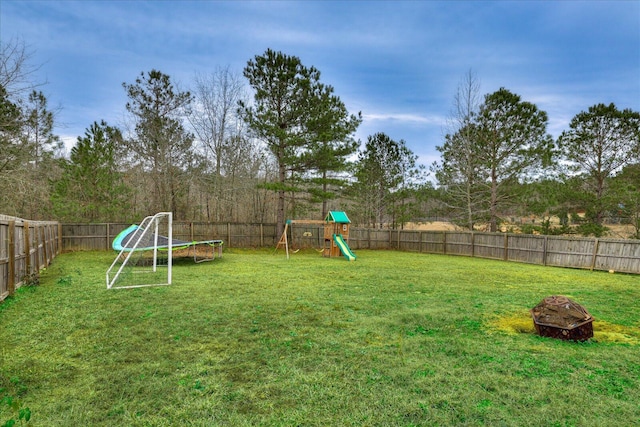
(145,258)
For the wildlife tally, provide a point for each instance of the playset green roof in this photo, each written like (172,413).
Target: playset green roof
(338,217)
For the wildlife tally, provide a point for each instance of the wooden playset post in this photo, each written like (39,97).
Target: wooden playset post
(283,239)
(329,244)
(284,242)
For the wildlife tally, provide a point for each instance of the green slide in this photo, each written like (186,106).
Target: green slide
(344,248)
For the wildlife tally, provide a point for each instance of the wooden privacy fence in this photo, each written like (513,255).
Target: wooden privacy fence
(575,252)
(79,237)
(26,247)
(558,251)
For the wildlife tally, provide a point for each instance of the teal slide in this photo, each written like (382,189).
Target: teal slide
(344,248)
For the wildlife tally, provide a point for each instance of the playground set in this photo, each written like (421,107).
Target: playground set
(336,235)
(154,236)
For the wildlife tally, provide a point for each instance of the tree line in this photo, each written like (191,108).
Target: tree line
(498,159)
(276,142)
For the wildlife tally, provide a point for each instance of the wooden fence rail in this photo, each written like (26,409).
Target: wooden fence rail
(575,252)
(26,247)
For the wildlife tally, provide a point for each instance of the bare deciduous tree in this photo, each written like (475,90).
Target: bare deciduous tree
(460,172)
(214,112)
(220,134)
(16,68)
(27,142)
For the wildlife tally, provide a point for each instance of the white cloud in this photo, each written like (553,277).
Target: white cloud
(406,118)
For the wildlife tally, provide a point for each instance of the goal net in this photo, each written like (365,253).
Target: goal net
(145,258)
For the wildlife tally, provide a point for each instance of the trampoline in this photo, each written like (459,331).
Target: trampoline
(127,239)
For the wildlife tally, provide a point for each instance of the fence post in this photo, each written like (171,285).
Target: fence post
(11,273)
(261,236)
(595,254)
(444,242)
(43,233)
(47,238)
(506,246)
(59,251)
(473,244)
(544,251)
(36,235)
(52,241)
(27,247)
(229,234)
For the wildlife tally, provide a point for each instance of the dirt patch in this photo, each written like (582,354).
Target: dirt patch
(620,231)
(615,231)
(432,226)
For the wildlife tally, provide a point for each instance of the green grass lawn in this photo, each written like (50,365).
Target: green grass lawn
(392,339)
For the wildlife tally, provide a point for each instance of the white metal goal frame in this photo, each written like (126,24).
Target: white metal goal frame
(148,225)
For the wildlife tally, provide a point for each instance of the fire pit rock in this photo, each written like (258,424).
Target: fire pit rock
(560,317)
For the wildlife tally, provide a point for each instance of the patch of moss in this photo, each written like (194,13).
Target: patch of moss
(603,332)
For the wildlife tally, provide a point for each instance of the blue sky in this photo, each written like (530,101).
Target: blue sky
(398,62)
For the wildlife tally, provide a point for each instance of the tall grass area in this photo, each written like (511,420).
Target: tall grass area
(392,339)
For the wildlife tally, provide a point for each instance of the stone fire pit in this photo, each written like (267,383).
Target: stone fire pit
(560,317)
